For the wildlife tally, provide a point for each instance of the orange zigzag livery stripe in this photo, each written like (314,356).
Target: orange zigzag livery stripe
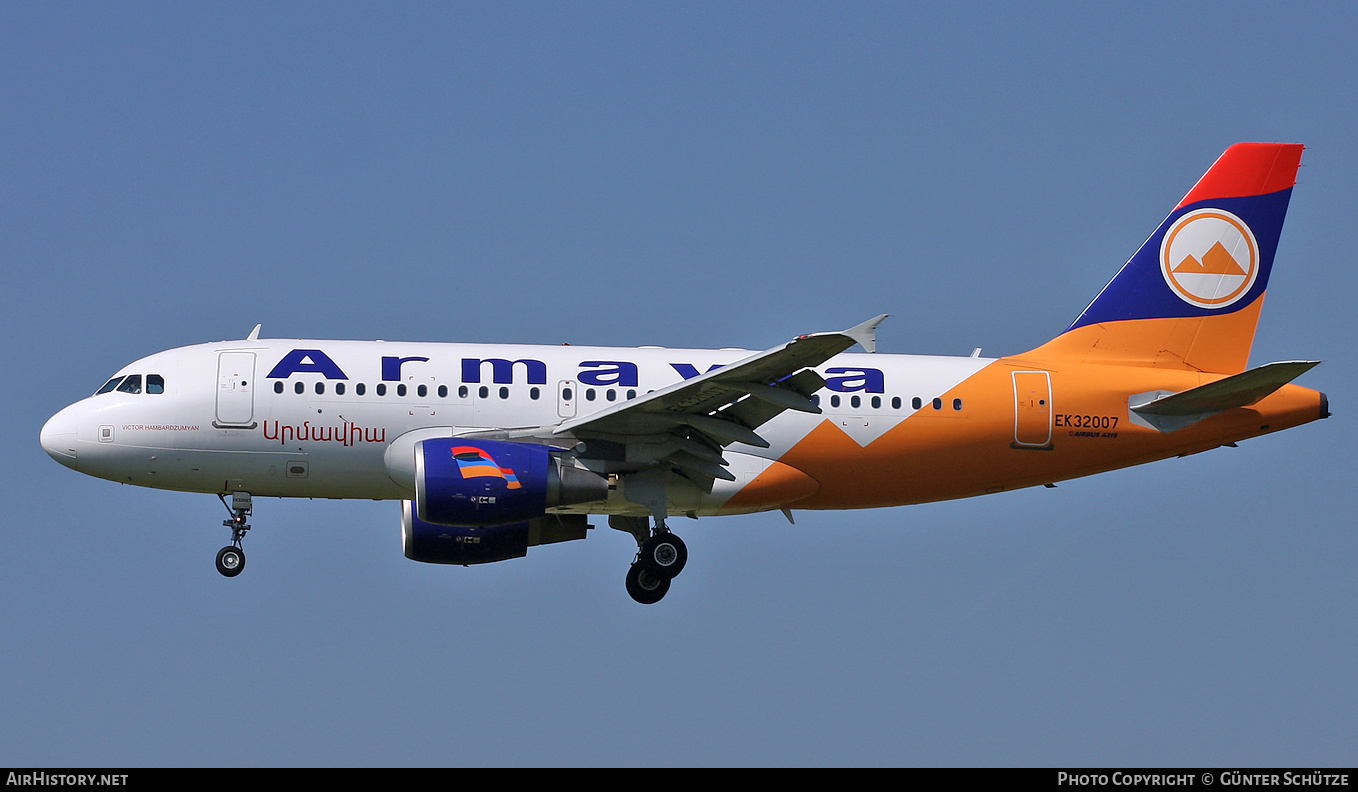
(939,455)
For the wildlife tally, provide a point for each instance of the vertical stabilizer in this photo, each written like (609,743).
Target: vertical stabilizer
(1190,297)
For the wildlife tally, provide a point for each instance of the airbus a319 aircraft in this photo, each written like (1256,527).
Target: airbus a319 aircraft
(492,448)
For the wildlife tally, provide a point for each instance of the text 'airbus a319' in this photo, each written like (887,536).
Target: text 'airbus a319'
(492,449)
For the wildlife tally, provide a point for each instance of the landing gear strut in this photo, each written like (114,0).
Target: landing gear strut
(231,559)
(660,558)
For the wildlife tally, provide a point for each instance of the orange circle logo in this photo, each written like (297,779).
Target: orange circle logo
(1209,258)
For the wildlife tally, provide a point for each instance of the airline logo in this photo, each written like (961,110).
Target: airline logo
(475,463)
(1209,258)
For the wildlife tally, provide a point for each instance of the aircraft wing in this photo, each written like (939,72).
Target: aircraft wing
(688,423)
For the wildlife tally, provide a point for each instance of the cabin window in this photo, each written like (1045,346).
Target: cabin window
(422,391)
(876,402)
(278,387)
(917,402)
(855,401)
(611,394)
(298,387)
(534,393)
(895,402)
(938,404)
(957,404)
(320,388)
(360,389)
(381,389)
(443,391)
(462,392)
(589,394)
(339,388)
(834,400)
(482,392)
(504,393)
(401,389)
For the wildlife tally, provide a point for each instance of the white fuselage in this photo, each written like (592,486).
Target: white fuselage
(325,419)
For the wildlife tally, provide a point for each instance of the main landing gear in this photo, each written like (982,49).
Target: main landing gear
(660,558)
(231,559)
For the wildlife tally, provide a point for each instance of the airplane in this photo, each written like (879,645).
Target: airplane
(495,448)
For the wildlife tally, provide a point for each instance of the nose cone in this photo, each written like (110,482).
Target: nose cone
(58,437)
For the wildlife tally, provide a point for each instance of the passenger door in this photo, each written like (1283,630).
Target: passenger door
(1032,409)
(235,389)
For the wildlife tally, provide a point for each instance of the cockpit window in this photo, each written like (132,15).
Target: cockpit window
(108,386)
(155,383)
(131,384)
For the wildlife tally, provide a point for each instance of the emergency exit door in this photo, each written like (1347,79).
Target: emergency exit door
(565,398)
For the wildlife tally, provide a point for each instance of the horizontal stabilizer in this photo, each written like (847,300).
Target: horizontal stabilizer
(1170,411)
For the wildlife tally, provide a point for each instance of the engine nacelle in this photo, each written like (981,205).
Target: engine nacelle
(461,544)
(487,483)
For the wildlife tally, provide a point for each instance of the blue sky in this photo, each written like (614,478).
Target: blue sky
(695,174)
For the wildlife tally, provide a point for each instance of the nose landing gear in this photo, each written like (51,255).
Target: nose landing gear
(231,559)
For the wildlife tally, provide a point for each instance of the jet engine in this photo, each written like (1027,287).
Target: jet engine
(463,544)
(478,501)
(493,482)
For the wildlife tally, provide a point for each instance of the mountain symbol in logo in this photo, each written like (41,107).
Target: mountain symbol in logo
(1217,261)
(1210,258)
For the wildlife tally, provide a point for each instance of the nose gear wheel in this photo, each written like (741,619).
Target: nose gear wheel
(231,559)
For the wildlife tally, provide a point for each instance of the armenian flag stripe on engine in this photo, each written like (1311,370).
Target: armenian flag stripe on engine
(475,463)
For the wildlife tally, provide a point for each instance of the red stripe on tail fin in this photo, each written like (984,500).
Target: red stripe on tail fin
(1248,169)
